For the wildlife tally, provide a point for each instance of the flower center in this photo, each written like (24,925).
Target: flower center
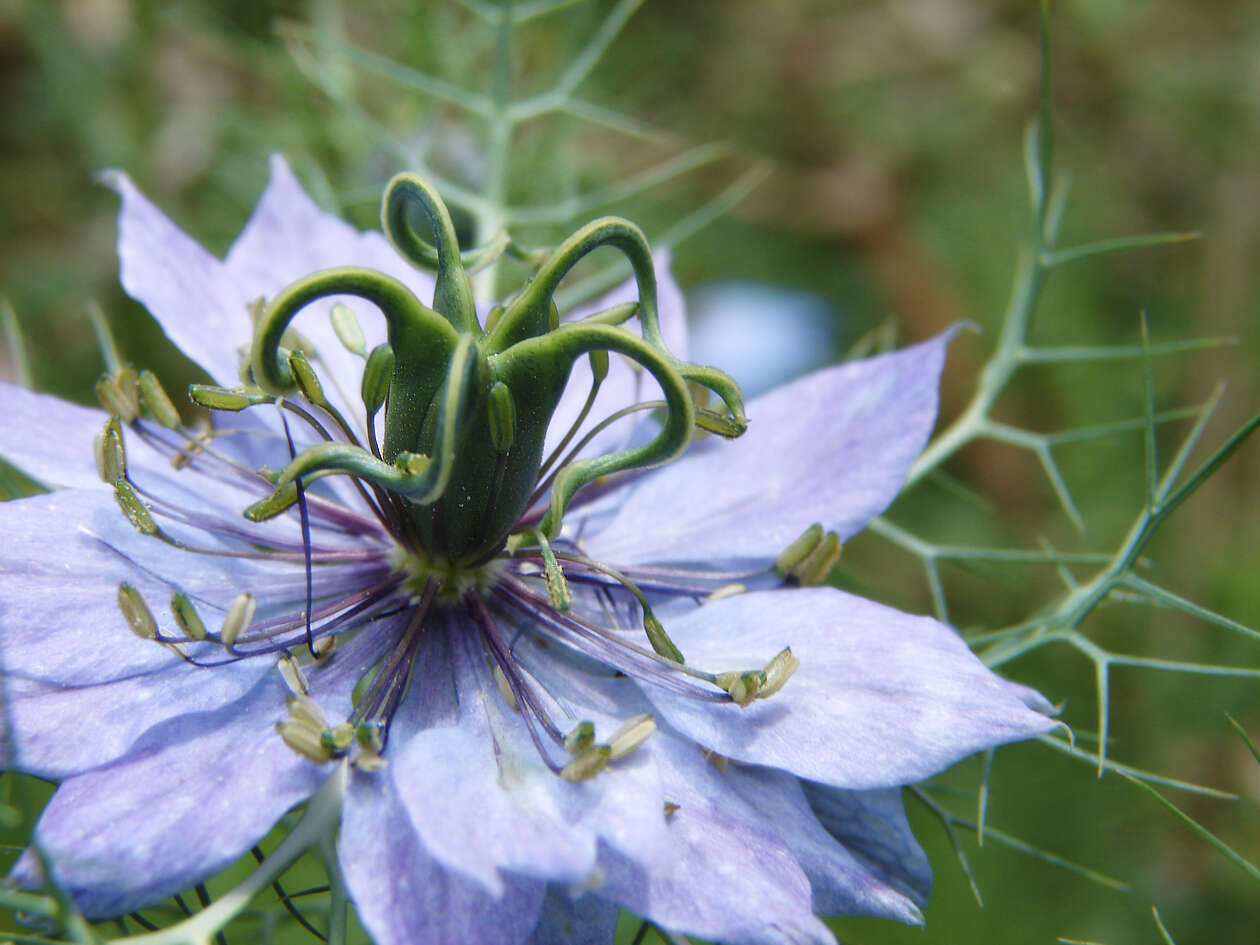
(462,512)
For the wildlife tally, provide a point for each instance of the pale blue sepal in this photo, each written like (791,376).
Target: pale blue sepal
(881,698)
(404,896)
(831,448)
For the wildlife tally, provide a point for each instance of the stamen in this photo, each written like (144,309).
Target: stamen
(586,764)
(135,510)
(154,398)
(557,588)
(136,612)
(347,328)
(238,618)
(186,617)
(810,558)
(111,454)
(632,733)
(117,395)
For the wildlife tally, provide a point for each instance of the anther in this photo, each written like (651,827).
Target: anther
(153,397)
(238,618)
(304,729)
(809,559)
(377,374)
(305,378)
(338,738)
(221,398)
(630,735)
(505,688)
(502,416)
(136,612)
(580,737)
(186,617)
(587,763)
(115,400)
(727,590)
(778,671)
(111,454)
(137,512)
(742,687)
(349,331)
(659,639)
(553,576)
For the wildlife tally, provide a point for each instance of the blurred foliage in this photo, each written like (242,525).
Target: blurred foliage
(897,196)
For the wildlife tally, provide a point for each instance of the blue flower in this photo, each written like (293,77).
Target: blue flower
(517,751)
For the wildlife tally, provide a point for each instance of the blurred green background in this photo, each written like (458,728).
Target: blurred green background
(896,200)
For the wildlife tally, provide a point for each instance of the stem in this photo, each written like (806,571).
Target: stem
(491,217)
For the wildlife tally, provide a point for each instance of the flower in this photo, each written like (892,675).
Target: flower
(528,721)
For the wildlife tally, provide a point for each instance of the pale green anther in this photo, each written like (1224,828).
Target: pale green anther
(111,454)
(349,331)
(377,374)
(304,377)
(304,729)
(818,563)
(505,688)
(630,735)
(239,617)
(599,365)
(553,576)
(778,671)
(742,687)
(136,612)
(153,396)
(338,738)
(591,761)
(306,711)
(659,639)
(133,507)
(222,398)
(502,415)
(798,551)
(114,400)
(271,506)
(580,737)
(727,590)
(129,387)
(186,617)
(368,735)
(324,647)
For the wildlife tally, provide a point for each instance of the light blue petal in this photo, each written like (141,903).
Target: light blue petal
(873,826)
(842,884)
(727,876)
(63,459)
(831,448)
(881,698)
(188,291)
(190,798)
(483,802)
(205,789)
(287,238)
(404,896)
(575,918)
